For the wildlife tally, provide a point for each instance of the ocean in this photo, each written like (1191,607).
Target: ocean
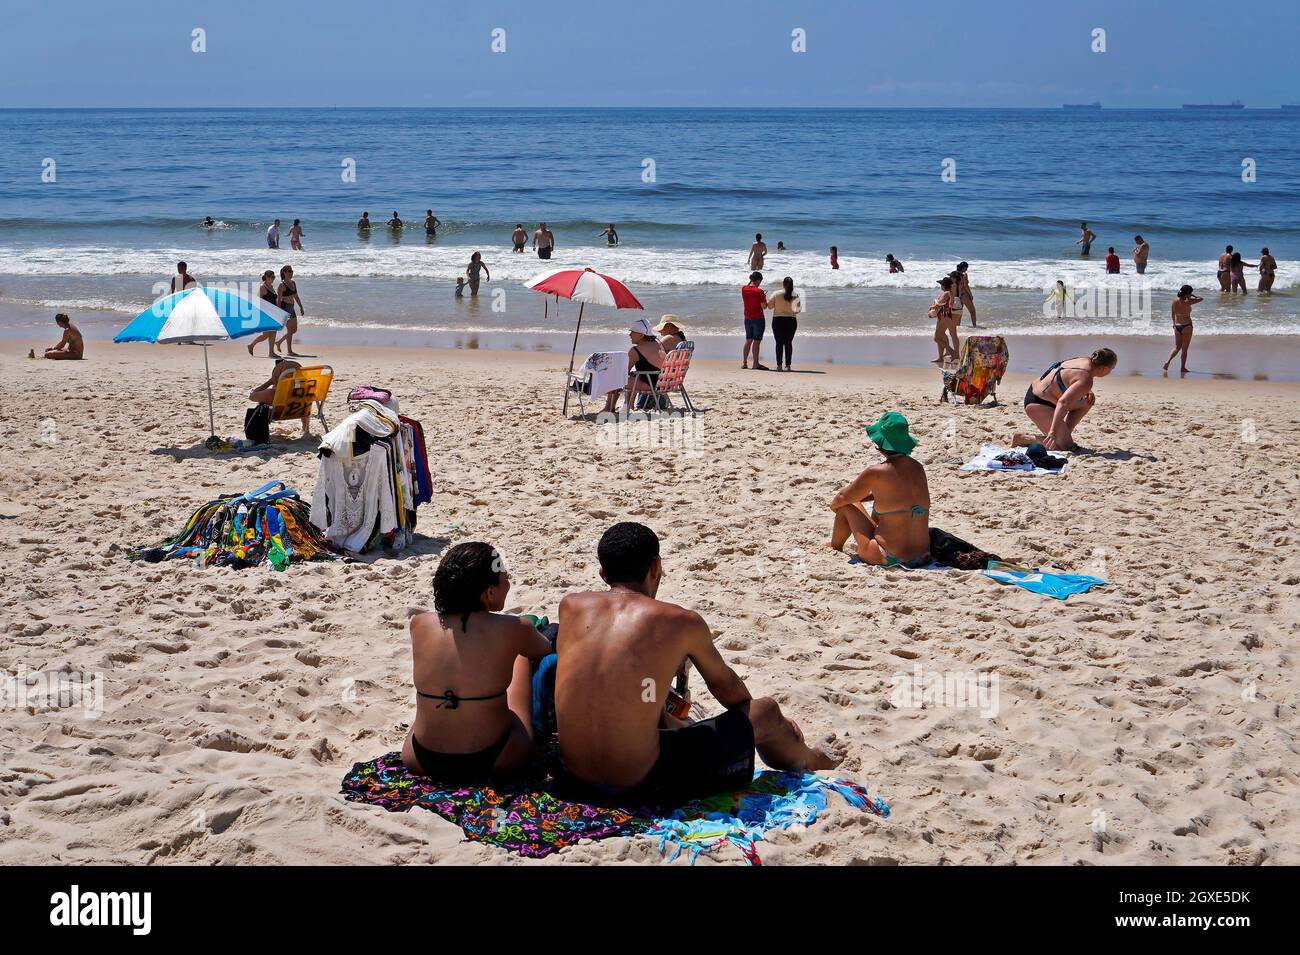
(687,189)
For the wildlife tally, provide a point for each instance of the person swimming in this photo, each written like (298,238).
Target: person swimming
(472,672)
(899,534)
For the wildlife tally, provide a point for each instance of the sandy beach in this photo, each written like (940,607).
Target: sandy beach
(1150,721)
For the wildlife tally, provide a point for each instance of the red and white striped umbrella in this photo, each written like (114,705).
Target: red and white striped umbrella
(586,286)
(583,286)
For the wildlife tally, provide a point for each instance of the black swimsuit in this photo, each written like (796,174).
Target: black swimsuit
(459,767)
(1033,399)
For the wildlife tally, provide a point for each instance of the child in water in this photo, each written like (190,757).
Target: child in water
(1059,295)
(460,286)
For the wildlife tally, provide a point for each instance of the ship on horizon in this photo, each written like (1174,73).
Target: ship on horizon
(1093,105)
(1235,104)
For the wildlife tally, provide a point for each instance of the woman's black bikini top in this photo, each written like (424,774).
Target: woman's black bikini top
(451,701)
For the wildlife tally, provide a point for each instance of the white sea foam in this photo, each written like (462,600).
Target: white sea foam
(637,267)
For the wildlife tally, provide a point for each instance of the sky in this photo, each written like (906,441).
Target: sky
(903,53)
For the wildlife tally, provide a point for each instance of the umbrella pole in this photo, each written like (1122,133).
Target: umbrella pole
(212,426)
(573,354)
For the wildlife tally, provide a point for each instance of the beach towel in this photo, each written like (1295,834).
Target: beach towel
(1043,582)
(986,461)
(524,817)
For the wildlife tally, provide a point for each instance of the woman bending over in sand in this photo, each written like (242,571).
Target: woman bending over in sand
(473,680)
(1057,401)
(1181,311)
(945,325)
(897,531)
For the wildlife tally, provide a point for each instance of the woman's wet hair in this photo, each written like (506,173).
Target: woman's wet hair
(626,552)
(789,288)
(464,572)
(1185,291)
(1105,358)
(1236,257)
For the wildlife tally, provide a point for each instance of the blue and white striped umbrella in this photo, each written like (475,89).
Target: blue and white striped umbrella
(199,315)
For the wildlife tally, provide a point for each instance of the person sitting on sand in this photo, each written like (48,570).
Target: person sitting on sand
(472,673)
(1057,401)
(671,334)
(1181,312)
(897,531)
(619,652)
(71,347)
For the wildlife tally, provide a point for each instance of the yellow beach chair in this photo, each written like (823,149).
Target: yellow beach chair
(297,389)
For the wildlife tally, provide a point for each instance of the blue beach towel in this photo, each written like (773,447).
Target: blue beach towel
(1043,582)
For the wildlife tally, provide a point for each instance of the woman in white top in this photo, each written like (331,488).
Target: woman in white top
(785,307)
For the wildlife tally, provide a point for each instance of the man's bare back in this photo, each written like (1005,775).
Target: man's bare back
(618,654)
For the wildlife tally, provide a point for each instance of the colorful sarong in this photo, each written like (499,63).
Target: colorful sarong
(525,818)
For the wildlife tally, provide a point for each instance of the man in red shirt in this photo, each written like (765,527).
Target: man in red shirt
(1112,262)
(755,300)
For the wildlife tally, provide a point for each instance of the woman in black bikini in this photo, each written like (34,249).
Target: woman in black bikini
(289,298)
(646,354)
(473,679)
(266,292)
(1181,312)
(1057,401)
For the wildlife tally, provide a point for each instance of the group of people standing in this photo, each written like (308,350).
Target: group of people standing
(1232,270)
(954,298)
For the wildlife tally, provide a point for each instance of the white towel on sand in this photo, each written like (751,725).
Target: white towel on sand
(986,461)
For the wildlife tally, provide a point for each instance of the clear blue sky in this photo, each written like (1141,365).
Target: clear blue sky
(646,53)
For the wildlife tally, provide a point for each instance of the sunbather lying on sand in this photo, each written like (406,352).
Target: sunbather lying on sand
(473,680)
(618,653)
(1058,400)
(897,531)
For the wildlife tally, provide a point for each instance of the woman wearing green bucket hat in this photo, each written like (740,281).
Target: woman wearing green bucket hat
(897,530)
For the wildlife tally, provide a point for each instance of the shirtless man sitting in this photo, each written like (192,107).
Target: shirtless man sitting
(71,346)
(619,651)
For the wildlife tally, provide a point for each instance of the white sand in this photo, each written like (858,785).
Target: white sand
(1160,710)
